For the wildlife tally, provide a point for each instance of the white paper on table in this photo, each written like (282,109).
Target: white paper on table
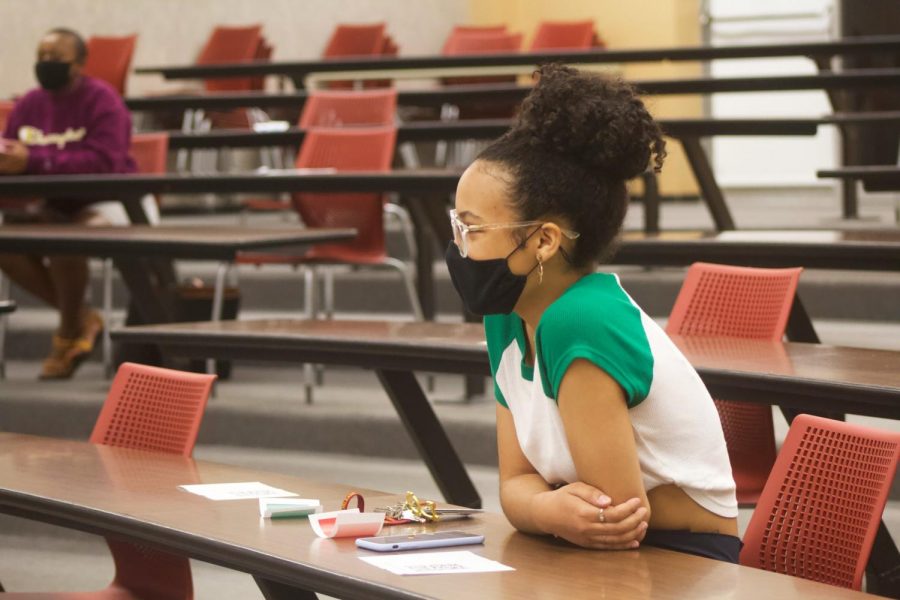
(236,491)
(435,563)
(346,523)
(288,507)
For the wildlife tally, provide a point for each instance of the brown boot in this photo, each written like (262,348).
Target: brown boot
(67,354)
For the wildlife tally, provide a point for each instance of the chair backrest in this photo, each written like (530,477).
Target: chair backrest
(351,149)
(355,40)
(6,107)
(564,35)
(230,45)
(468,29)
(724,300)
(150,151)
(484,43)
(822,504)
(151,408)
(264,52)
(340,108)
(109,59)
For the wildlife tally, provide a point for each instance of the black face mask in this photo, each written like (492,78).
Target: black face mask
(53,75)
(487,287)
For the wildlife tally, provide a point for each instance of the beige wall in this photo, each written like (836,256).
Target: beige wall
(173,31)
(623,24)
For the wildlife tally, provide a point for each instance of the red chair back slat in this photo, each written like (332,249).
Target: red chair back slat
(822,505)
(109,59)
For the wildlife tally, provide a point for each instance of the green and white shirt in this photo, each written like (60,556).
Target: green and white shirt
(676,426)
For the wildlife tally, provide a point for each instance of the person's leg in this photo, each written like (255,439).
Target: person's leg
(69,275)
(31,274)
(79,326)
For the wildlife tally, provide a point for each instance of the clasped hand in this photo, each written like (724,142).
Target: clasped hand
(13,157)
(573,512)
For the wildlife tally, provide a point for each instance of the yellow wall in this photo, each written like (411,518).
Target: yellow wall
(623,24)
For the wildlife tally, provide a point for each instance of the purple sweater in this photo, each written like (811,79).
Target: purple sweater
(85,130)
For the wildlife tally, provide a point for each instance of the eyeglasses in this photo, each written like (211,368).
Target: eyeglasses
(461,230)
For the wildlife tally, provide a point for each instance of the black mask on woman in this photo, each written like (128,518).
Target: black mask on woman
(53,75)
(487,287)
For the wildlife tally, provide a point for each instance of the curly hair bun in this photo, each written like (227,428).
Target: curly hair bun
(595,120)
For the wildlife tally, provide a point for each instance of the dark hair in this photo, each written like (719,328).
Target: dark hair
(577,139)
(80,47)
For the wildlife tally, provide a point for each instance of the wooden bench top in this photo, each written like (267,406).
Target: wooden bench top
(301,68)
(196,241)
(804,376)
(134,495)
(875,178)
(506,93)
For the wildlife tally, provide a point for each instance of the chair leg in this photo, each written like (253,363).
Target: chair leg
(310,310)
(183,157)
(218,302)
(406,226)
(107,316)
(4,294)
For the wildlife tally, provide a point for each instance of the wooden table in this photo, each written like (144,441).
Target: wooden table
(299,70)
(426,192)
(511,92)
(133,495)
(688,131)
(875,178)
(805,377)
(419,189)
(136,251)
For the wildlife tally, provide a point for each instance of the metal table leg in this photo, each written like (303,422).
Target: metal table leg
(709,187)
(429,437)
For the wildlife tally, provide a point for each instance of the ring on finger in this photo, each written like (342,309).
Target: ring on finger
(601,517)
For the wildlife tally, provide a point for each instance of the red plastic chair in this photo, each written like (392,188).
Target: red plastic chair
(155,409)
(6,107)
(564,35)
(468,29)
(484,43)
(354,40)
(338,108)
(822,505)
(150,151)
(230,45)
(109,59)
(739,302)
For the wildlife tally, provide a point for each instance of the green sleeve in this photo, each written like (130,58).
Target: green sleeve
(602,328)
(499,332)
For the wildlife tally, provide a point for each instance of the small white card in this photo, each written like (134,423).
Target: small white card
(236,491)
(435,563)
(275,508)
(346,523)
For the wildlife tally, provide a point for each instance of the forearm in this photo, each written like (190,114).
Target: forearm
(52,161)
(518,497)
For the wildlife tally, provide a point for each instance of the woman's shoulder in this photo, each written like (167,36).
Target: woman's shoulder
(594,301)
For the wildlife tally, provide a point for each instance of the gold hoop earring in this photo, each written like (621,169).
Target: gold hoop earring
(540,271)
